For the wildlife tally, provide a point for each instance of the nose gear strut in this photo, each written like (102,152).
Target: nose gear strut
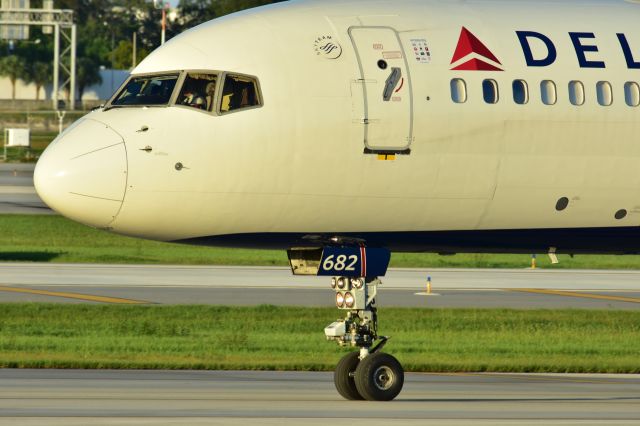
(368,374)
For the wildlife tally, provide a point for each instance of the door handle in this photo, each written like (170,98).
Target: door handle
(391,83)
(146,149)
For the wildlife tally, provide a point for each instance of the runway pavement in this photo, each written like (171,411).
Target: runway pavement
(74,283)
(70,397)
(17,194)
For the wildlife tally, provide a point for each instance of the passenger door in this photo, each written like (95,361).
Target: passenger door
(386,89)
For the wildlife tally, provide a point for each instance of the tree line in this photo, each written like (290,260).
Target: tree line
(105,31)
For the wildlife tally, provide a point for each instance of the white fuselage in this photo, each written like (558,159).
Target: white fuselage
(326,154)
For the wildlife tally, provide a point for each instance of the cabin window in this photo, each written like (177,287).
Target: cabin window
(520,92)
(458,90)
(548,92)
(605,94)
(576,92)
(632,93)
(239,92)
(153,90)
(490,91)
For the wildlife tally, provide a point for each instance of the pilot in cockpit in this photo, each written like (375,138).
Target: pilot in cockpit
(192,96)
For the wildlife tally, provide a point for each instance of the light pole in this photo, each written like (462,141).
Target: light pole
(164,5)
(113,47)
(164,25)
(134,55)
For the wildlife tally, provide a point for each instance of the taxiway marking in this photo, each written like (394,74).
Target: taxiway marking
(575,294)
(88,297)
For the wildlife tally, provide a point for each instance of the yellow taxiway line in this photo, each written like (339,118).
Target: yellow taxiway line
(577,294)
(87,297)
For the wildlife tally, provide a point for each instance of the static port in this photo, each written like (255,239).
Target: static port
(620,214)
(562,203)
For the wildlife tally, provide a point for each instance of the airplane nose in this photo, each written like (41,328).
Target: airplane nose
(83,174)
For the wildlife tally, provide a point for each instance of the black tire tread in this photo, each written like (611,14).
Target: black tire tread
(345,384)
(365,381)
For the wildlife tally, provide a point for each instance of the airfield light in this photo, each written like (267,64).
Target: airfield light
(339,300)
(349,300)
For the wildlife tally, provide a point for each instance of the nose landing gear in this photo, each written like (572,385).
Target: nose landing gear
(368,374)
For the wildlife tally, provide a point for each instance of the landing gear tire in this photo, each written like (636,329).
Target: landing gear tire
(344,377)
(379,377)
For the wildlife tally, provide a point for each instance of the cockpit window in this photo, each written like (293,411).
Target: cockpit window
(239,92)
(147,90)
(198,91)
(210,91)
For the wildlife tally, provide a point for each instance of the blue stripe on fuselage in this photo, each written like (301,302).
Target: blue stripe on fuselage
(613,240)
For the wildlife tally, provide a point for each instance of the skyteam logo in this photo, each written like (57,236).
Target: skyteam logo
(472,55)
(326,47)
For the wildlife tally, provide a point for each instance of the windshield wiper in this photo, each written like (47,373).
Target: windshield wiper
(109,107)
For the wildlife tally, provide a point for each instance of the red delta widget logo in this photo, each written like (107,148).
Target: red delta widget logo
(472,55)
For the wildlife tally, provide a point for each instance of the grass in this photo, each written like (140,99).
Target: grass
(284,338)
(56,239)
